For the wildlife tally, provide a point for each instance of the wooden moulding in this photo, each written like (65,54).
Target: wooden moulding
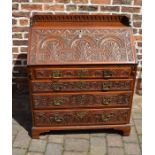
(125,129)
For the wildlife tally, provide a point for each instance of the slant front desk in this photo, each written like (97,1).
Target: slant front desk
(82,71)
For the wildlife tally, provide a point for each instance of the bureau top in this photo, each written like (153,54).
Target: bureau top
(80,39)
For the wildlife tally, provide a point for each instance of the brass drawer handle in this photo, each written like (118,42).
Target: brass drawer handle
(57,119)
(56,73)
(107,117)
(106,100)
(57,101)
(56,86)
(106,86)
(107,73)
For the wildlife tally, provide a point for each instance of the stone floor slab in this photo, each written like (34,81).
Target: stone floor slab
(22,140)
(76,144)
(114,140)
(54,149)
(132,149)
(115,151)
(18,151)
(37,145)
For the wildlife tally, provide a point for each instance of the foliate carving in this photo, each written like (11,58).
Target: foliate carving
(55,118)
(74,45)
(82,85)
(83,73)
(81,100)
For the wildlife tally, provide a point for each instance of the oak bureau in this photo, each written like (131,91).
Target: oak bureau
(82,71)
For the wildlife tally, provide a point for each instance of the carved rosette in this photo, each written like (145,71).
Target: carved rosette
(56,118)
(74,100)
(75,45)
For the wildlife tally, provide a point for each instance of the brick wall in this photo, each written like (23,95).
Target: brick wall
(24,9)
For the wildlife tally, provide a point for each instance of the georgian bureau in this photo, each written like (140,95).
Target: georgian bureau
(82,71)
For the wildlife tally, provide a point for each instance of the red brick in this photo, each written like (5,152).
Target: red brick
(24,49)
(135,31)
(20,14)
(17,35)
(62,1)
(122,2)
(137,24)
(139,56)
(140,31)
(15,7)
(26,35)
(14,21)
(31,7)
(139,44)
(110,8)
(131,9)
(88,8)
(137,2)
(20,42)
(14,49)
(71,7)
(80,1)
(23,22)
(54,7)
(138,38)
(20,29)
(100,1)
(137,17)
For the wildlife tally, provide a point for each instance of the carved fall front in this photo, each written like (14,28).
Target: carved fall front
(80,45)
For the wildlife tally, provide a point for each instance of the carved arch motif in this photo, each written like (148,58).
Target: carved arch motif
(112,48)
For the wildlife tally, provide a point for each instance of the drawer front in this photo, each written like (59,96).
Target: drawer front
(65,100)
(81,85)
(81,117)
(106,72)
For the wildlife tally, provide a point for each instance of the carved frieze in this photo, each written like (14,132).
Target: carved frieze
(56,118)
(81,100)
(83,73)
(82,85)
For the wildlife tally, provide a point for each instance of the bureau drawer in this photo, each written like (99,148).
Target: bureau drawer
(81,117)
(81,85)
(106,72)
(89,99)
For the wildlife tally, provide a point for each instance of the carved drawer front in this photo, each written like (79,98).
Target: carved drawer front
(81,85)
(65,100)
(81,117)
(106,72)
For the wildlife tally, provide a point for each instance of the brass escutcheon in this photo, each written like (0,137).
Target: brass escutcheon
(106,85)
(57,118)
(56,73)
(106,100)
(107,116)
(57,101)
(107,73)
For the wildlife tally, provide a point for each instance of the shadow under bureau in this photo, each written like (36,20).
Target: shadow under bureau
(82,71)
